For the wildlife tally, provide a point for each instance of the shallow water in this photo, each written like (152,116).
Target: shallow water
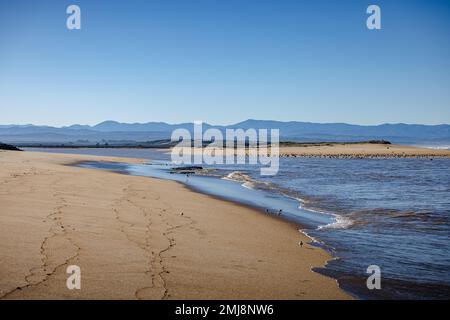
(393,213)
(396,214)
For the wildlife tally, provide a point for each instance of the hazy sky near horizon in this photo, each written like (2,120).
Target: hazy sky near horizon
(224,61)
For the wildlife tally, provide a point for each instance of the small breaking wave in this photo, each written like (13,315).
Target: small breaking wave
(245,180)
(340,222)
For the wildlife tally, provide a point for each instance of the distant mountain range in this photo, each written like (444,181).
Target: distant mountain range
(113,132)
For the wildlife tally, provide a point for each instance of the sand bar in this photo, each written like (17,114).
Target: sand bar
(362,150)
(328,150)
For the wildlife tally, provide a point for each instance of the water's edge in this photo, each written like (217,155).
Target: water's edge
(302,228)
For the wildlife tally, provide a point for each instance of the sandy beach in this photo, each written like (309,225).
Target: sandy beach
(141,238)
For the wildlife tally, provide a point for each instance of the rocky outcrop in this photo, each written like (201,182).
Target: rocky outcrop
(4,146)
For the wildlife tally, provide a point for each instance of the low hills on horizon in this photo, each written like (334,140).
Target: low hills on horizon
(113,132)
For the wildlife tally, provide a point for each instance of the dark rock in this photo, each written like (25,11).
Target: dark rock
(188,168)
(4,146)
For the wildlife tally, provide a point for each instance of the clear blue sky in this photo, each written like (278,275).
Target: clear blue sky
(224,61)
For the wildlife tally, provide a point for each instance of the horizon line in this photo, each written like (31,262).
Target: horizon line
(223,125)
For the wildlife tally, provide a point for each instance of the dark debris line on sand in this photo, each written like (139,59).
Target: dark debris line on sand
(4,146)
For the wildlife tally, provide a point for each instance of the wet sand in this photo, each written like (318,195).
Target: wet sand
(141,238)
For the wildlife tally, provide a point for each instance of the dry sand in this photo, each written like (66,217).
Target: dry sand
(141,238)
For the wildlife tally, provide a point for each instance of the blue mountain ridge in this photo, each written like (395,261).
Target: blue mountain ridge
(292,130)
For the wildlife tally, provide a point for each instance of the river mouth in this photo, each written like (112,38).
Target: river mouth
(342,234)
(393,213)
(214,184)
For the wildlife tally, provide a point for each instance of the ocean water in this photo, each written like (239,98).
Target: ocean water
(393,213)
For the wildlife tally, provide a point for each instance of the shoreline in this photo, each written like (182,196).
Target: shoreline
(189,188)
(289,221)
(235,261)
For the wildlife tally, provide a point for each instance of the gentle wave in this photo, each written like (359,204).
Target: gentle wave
(340,222)
(246,181)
